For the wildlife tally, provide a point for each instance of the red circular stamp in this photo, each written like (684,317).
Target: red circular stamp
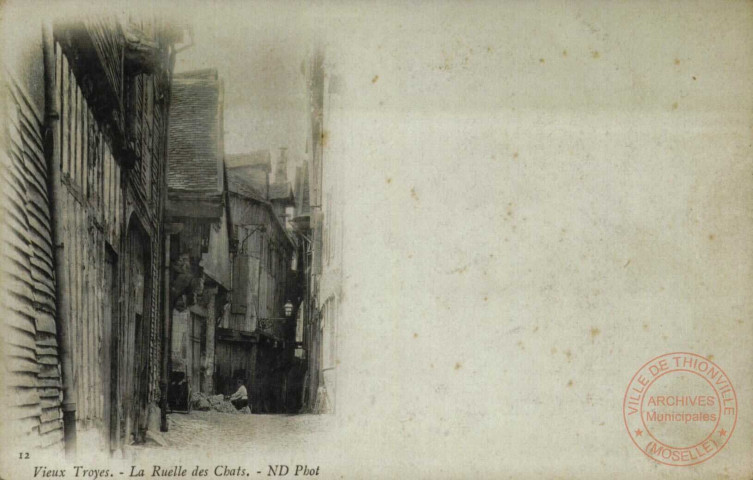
(680,409)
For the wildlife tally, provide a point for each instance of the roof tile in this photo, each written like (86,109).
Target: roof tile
(194,140)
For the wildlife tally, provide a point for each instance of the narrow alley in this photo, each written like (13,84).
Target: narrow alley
(167,253)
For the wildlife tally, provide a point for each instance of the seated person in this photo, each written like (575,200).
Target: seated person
(240,398)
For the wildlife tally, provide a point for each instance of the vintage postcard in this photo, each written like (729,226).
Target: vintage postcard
(383,240)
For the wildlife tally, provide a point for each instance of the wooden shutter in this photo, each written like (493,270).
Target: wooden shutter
(239,301)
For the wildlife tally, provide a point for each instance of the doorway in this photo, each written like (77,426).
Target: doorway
(110,360)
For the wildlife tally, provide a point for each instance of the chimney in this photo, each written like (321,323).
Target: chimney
(281,169)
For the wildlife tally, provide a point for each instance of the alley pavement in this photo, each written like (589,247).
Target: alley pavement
(225,430)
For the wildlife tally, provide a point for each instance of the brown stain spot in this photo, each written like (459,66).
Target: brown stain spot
(693,77)
(413,194)
(541,60)
(447,64)
(410,255)
(712,236)
(595,54)
(710,357)
(521,345)
(595,332)
(535,329)
(645,326)
(675,106)
(459,270)
(431,365)
(324,137)
(570,383)
(415,335)
(554,350)
(458,365)
(564,53)
(515,155)
(568,354)
(486,299)
(677,61)
(389,180)
(375,79)
(627,263)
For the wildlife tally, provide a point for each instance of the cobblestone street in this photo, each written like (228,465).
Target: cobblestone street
(230,431)
(227,445)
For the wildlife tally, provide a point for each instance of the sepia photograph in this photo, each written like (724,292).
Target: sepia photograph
(377,240)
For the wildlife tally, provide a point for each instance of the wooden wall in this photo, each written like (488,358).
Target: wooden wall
(97,199)
(233,359)
(31,379)
(146,114)
(263,292)
(216,260)
(193,345)
(110,209)
(180,353)
(92,199)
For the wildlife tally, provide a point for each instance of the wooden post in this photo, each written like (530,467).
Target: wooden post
(167,305)
(166,325)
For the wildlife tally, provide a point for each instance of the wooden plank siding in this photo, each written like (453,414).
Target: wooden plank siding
(93,200)
(32,380)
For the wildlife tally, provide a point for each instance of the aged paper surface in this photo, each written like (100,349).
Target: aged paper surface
(523,204)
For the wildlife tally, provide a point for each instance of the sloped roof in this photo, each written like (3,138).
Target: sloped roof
(261,159)
(194,138)
(282,192)
(238,182)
